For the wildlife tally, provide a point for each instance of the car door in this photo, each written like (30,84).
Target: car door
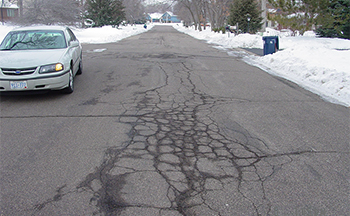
(74,50)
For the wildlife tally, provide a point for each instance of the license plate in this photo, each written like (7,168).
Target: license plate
(18,84)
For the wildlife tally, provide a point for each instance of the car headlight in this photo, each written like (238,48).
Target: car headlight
(51,68)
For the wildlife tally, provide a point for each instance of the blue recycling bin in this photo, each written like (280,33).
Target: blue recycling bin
(271,44)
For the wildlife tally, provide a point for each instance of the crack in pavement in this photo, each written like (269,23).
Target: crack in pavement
(57,197)
(178,158)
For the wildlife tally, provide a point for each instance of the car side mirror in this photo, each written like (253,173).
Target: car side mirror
(74,43)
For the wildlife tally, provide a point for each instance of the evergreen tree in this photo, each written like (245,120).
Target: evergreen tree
(105,12)
(336,20)
(301,15)
(246,14)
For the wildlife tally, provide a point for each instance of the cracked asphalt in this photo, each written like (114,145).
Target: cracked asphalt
(163,124)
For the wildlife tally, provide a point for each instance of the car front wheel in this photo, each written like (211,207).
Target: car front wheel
(80,70)
(70,87)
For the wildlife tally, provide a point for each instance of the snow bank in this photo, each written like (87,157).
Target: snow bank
(108,34)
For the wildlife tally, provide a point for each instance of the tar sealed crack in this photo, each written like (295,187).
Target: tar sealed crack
(179,157)
(57,197)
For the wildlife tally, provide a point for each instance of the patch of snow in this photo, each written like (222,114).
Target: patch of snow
(97,50)
(108,34)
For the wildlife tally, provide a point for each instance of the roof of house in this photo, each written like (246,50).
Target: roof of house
(155,15)
(7,4)
(170,13)
(160,15)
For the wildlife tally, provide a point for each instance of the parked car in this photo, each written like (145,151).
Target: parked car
(40,58)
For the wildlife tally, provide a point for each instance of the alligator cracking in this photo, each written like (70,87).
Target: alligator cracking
(178,156)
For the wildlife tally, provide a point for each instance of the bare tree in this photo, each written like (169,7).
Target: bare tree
(193,8)
(218,11)
(199,6)
(52,12)
(182,12)
(134,11)
(203,11)
(160,7)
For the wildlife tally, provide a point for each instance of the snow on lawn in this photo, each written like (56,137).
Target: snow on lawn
(318,64)
(106,34)
(321,65)
(4,29)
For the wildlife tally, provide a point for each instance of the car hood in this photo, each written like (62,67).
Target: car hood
(29,58)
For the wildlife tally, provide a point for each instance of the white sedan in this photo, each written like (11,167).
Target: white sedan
(40,58)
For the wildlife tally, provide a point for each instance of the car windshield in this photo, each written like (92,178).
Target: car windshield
(37,39)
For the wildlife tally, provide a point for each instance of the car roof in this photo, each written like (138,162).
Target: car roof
(40,27)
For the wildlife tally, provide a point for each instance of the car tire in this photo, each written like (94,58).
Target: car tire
(70,87)
(80,69)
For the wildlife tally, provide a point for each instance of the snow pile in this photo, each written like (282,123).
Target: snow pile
(321,65)
(108,34)
(318,64)
(227,40)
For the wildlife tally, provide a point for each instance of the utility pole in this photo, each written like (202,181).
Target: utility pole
(20,5)
(263,15)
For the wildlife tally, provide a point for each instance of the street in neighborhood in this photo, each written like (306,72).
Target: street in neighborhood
(163,124)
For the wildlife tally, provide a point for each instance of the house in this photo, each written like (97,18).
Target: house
(272,13)
(167,17)
(154,17)
(8,10)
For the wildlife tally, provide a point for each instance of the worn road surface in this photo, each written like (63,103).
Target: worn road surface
(163,124)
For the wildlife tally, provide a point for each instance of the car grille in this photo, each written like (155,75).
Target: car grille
(18,72)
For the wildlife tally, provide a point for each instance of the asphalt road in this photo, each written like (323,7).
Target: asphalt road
(163,124)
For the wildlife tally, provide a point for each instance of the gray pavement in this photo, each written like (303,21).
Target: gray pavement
(163,124)
(259,52)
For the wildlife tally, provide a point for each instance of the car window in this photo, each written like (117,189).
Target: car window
(71,35)
(28,40)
